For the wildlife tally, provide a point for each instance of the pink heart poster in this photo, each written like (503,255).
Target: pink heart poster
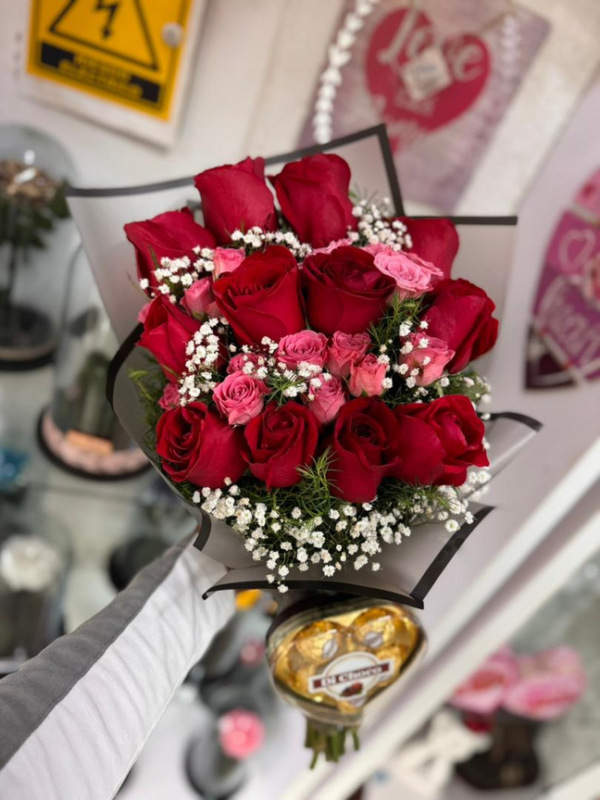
(439,73)
(564,340)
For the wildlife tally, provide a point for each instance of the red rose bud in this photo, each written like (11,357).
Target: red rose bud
(458,430)
(279,441)
(236,197)
(344,290)
(167,330)
(195,445)
(363,449)
(313,195)
(461,315)
(170,235)
(433,240)
(262,297)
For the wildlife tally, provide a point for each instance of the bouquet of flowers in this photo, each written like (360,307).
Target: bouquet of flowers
(314,389)
(301,377)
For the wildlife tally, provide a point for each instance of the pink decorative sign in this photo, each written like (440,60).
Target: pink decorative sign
(564,341)
(439,73)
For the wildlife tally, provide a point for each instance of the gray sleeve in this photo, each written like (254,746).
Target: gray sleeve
(74,719)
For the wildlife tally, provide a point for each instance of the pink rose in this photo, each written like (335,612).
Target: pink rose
(227,259)
(170,397)
(199,298)
(484,692)
(367,376)
(141,317)
(375,249)
(429,360)
(344,350)
(240,398)
(333,246)
(329,398)
(413,276)
(305,346)
(238,362)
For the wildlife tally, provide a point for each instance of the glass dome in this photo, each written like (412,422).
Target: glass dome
(79,430)
(37,241)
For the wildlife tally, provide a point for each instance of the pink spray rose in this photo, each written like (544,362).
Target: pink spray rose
(170,397)
(240,398)
(413,276)
(367,376)
(199,299)
(304,346)
(239,361)
(143,313)
(333,246)
(344,350)
(484,692)
(227,259)
(329,398)
(430,360)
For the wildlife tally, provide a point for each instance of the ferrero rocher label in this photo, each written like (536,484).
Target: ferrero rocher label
(339,657)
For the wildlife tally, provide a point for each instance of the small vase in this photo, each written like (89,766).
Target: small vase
(511,761)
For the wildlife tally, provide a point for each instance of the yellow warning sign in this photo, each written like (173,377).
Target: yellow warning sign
(122,50)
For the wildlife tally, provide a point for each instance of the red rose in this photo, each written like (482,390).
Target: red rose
(313,195)
(433,240)
(344,290)
(170,235)
(363,449)
(234,197)
(459,431)
(279,441)
(195,445)
(262,297)
(167,330)
(461,315)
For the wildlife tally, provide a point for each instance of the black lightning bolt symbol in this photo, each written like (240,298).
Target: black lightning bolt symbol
(112,8)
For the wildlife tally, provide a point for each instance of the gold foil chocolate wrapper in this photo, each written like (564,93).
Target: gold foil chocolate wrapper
(380,627)
(334,659)
(320,641)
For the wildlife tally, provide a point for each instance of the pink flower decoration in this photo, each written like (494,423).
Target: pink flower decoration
(375,249)
(329,398)
(544,696)
(413,276)
(333,246)
(227,259)
(241,733)
(429,360)
(304,346)
(484,692)
(199,298)
(367,376)
(344,350)
(240,398)
(170,397)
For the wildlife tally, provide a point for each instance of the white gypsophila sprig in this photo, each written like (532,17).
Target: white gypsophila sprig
(373,227)
(350,534)
(203,351)
(175,275)
(255,239)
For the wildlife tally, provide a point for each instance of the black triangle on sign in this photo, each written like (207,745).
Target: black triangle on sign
(110,8)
